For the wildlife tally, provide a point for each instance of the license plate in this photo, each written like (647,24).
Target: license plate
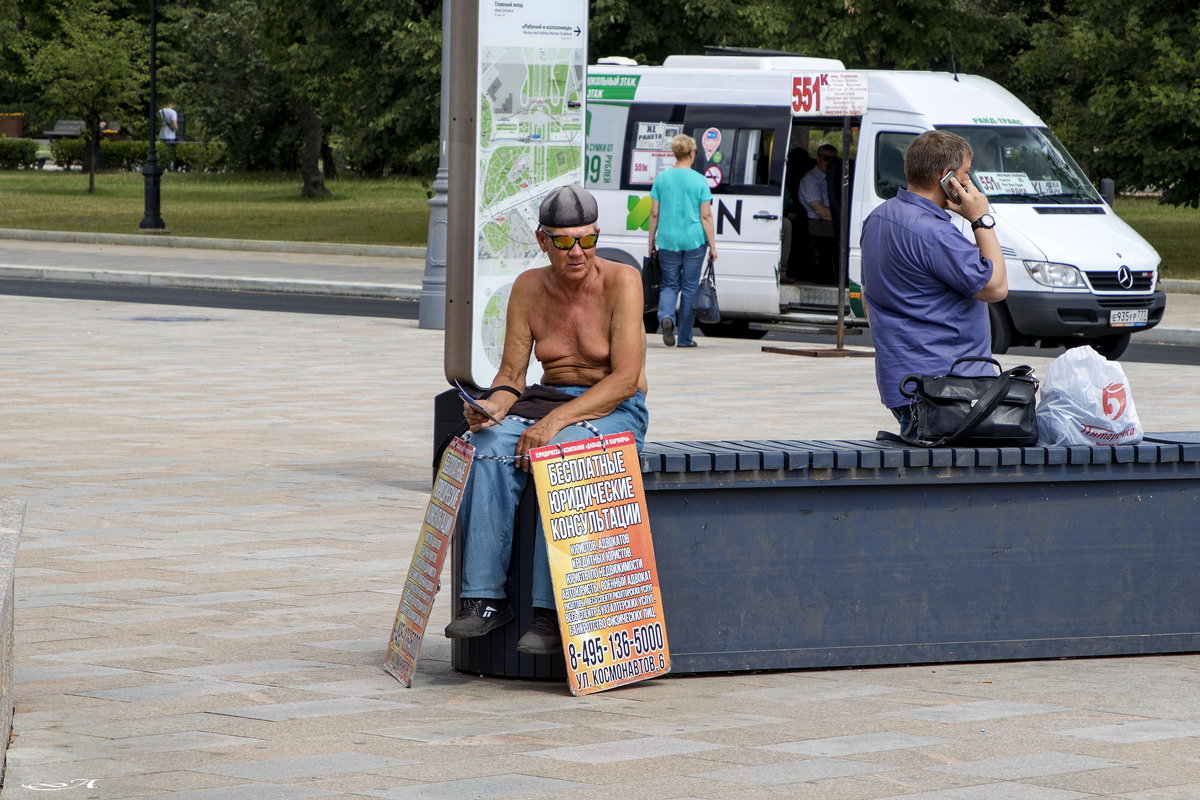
(1127,317)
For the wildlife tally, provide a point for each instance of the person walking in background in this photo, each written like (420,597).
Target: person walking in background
(170,123)
(681,232)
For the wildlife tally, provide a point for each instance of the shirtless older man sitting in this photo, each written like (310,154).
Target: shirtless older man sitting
(581,316)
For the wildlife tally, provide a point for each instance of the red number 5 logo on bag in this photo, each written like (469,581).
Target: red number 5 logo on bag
(1114,400)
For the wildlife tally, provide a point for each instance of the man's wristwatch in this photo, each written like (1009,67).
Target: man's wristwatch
(986,221)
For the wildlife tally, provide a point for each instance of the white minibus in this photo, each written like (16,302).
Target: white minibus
(1077,272)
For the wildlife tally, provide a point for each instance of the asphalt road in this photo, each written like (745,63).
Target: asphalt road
(407,309)
(215,298)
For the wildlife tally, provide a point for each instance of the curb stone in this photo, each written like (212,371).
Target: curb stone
(203,243)
(231,283)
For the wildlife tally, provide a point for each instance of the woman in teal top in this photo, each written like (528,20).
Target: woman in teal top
(681,232)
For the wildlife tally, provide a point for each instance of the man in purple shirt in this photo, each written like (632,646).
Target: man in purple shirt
(926,285)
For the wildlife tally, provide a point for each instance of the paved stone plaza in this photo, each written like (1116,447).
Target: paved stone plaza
(221,505)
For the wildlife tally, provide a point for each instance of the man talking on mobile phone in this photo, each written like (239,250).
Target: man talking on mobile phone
(926,284)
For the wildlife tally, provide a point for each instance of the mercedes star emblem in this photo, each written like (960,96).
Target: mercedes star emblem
(1125,277)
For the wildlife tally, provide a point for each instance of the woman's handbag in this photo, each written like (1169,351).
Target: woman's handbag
(974,411)
(651,282)
(704,304)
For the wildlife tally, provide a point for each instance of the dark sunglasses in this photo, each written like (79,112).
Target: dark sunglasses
(563,242)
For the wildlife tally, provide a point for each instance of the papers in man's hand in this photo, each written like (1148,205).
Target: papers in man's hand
(473,403)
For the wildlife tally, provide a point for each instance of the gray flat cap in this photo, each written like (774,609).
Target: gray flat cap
(568,207)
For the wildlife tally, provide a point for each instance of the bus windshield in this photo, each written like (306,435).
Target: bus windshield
(1025,165)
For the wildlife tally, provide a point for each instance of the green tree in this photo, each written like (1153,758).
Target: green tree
(1120,83)
(280,82)
(215,68)
(304,41)
(93,68)
(9,58)
(650,30)
(21,22)
(863,34)
(941,35)
(389,120)
(365,71)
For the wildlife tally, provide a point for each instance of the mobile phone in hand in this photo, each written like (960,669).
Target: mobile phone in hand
(473,403)
(949,189)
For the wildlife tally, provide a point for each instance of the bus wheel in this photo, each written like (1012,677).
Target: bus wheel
(1111,347)
(731,329)
(1002,328)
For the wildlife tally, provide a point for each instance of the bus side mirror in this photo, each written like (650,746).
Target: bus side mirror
(1108,190)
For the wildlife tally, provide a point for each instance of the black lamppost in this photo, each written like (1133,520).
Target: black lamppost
(151,170)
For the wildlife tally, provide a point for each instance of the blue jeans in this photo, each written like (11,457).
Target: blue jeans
(494,491)
(680,279)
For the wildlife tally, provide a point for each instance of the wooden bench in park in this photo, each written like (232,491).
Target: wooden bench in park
(805,554)
(66,129)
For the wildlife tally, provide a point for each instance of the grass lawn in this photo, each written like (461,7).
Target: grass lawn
(384,211)
(1174,233)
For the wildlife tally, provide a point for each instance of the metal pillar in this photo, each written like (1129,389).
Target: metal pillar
(433,282)
(461,153)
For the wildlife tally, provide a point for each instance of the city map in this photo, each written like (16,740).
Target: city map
(531,129)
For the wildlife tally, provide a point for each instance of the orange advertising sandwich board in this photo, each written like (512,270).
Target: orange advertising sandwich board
(421,583)
(602,561)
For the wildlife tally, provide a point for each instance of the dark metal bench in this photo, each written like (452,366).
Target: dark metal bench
(800,554)
(842,553)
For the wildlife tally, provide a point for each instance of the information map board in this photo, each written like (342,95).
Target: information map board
(597,531)
(422,581)
(531,62)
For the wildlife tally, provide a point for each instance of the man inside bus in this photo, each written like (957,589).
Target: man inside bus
(814,195)
(926,284)
(581,316)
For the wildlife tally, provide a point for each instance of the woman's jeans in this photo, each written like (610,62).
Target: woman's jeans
(680,278)
(494,491)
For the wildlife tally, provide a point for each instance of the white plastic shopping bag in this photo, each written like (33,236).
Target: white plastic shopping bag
(1086,400)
